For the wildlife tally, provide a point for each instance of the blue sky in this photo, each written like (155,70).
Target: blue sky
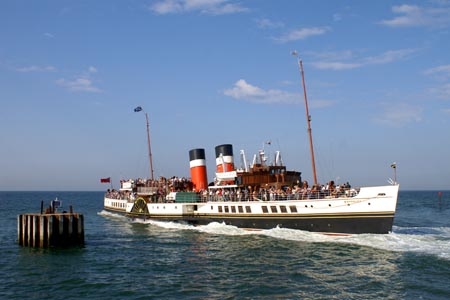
(210,72)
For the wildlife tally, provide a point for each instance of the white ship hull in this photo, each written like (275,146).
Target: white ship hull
(372,210)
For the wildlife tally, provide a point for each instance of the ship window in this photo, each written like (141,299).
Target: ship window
(220,208)
(212,207)
(227,209)
(233,209)
(264,209)
(293,208)
(248,209)
(274,209)
(240,209)
(283,209)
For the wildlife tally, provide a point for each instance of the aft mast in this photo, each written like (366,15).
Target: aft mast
(138,109)
(308,116)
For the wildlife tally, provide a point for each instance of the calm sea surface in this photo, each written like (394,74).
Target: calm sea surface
(136,260)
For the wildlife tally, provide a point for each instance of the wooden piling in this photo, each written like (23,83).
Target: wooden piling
(50,230)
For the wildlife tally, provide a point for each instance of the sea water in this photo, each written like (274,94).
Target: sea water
(125,259)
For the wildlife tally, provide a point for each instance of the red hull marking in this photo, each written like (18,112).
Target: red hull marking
(335,234)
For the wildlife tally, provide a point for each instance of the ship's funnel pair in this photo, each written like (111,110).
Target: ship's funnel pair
(197,158)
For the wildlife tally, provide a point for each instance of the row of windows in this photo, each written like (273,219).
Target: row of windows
(265,209)
(118,204)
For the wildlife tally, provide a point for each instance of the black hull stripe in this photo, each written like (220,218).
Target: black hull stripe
(345,224)
(115,210)
(266,216)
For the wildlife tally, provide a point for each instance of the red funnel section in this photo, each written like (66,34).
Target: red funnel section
(224,158)
(198,169)
(224,161)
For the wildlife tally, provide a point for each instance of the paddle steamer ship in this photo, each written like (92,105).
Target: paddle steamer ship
(259,196)
(263,197)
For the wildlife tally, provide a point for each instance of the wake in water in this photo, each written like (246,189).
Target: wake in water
(111,215)
(425,240)
(430,241)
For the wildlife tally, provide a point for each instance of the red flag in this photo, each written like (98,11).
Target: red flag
(105,180)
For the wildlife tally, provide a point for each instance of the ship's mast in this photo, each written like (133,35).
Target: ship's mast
(308,116)
(138,109)
(149,148)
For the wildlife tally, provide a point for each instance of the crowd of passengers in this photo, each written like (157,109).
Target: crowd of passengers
(302,192)
(162,185)
(267,193)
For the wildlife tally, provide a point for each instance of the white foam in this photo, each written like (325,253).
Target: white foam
(428,241)
(112,215)
(425,240)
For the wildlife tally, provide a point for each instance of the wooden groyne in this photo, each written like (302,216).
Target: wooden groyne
(50,230)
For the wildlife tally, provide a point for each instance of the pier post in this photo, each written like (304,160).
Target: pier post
(50,230)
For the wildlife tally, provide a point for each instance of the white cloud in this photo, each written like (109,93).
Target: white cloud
(167,7)
(268,24)
(415,16)
(332,55)
(442,91)
(390,56)
(82,83)
(439,70)
(35,68)
(349,61)
(442,74)
(49,35)
(212,7)
(247,92)
(78,85)
(398,115)
(301,34)
(337,66)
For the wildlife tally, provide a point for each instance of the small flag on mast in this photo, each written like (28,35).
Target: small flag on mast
(105,180)
(138,109)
